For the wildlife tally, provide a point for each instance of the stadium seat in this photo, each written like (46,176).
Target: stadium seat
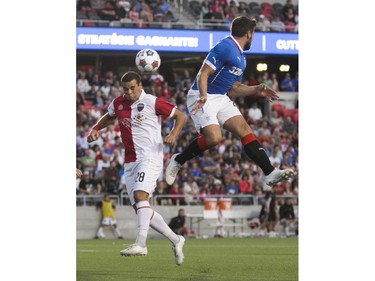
(81,16)
(265,5)
(288,112)
(254,9)
(89,23)
(266,10)
(253,5)
(178,26)
(279,108)
(115,24)
(102,24)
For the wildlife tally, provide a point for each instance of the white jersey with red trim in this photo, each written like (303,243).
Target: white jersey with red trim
(140,125)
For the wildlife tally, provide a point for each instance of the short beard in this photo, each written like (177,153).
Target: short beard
(247,46)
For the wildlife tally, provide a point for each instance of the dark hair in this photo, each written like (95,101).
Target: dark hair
(242,24)
(129,76)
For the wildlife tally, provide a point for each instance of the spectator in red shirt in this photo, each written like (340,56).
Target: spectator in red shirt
(246,184)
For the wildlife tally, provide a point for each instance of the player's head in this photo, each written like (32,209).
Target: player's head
(131,85)
(181,212)
(243,26)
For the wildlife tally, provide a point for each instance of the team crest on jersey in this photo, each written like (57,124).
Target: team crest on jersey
(120,107)
(140,106)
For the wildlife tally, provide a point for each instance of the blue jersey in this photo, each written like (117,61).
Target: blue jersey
(229,61)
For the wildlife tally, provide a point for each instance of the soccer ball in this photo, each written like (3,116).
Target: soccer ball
(147,60)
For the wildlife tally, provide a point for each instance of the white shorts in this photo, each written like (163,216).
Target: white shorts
(109,221)
(142,175)
(217,110)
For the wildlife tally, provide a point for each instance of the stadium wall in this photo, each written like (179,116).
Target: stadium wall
(88,219)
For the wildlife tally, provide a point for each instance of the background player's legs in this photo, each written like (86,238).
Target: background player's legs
(100,233)
(116,231)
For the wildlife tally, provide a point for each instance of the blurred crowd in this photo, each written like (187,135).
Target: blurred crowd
(222,170)
(276,17)
(140,12)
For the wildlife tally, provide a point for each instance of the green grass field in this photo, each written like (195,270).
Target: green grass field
(263,259)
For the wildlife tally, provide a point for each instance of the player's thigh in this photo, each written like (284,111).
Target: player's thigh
(238,126)
(207,115)
(143,176)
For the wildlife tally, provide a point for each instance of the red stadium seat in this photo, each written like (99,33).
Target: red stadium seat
(288,112)
(279,108)
(265,5)
(295,117)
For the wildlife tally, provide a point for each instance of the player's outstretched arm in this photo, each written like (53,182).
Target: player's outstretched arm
(102,123)
(180,120)
(241,90)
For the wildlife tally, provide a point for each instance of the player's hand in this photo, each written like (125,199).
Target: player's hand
(78,173)
(267,92)
(199,104)
(93,136)
(169,139)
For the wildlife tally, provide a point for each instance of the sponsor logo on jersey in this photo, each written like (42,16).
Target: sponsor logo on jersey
(138,119)
(236,71)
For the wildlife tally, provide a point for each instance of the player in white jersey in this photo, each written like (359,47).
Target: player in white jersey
(211,108)
(139,115)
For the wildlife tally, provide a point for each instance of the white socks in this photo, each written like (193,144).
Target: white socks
(148,217)
(100,232)
(158,224)
(144,213)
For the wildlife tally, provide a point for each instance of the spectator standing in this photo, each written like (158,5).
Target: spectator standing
(254,112)
(277,25)
(83,85)
(84,6)
(191,190)
(245,185)
(295,81)
(108,12)
(111,178)
(287,215)
(134,15)
(108,219)
(268,215)
(286,84)
(274,82)
(87,186)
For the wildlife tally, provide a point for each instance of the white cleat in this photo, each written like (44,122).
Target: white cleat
(172,170)
(278,175)
(134,250)
(177,250)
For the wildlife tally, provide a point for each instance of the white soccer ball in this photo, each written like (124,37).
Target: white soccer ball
(147,60)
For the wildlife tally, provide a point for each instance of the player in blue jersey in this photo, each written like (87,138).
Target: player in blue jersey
(210,106)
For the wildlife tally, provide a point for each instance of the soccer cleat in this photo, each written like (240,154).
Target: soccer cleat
(277,176)
(134,250)
(177,250)
(172,170)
